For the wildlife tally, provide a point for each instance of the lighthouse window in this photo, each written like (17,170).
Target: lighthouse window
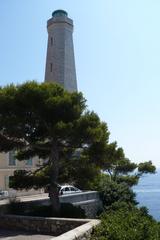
(51,67)
(51,41)
(12,159)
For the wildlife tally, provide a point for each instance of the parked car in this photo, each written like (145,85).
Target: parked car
(64,189)
(68,189)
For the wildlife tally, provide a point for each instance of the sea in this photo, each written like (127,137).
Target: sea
(148,193)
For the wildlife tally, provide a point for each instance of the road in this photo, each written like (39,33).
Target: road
(27,198)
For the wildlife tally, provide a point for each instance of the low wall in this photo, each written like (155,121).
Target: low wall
(80,233)
(68,229)
(91,207)
(41,225)
(79,197)
(89,201)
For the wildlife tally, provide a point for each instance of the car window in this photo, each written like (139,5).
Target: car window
(73,189)
(67,189)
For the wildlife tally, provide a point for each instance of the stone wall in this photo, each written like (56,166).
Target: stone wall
(82,232)
(41,225)
(68,229)
(89,201)
(79,197)
(91,207)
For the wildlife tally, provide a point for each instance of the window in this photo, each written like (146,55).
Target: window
(12,159)
(51,41)
(51,67)
(29,162)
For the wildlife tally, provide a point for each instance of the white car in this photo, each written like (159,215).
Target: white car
(68,189)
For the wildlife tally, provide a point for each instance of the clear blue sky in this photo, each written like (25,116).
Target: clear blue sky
(117,50)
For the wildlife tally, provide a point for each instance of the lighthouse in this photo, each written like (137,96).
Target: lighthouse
(60,62)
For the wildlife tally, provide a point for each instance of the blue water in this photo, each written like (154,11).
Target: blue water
(148,193)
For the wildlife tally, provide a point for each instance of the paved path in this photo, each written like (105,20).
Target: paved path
(27,198)
(20,235)
(33,197)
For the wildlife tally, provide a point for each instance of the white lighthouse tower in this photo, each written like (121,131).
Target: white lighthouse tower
(60,63)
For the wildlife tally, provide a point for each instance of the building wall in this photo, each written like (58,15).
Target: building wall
(7,170)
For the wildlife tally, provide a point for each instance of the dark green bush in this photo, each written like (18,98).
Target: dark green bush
(126,222)
(99,182)
(67,210)
(18,208)
(30,209)
(70,211)
(114,192)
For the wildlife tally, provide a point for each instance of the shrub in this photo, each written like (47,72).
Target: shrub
(30,209)
(126,222)
(114,192)
(70,211)
(67,210)
(18,208)
(99,182)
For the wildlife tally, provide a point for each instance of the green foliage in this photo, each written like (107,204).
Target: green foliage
(70,211)
(115,163)
(73,170)
(121,169)
(125,166)
(46,121)
(99,182)
(35,118)
(126,222)
(130,180)
(114,192)
(31,113)
(31,209)
(23,179)
(146,167)
(111,192)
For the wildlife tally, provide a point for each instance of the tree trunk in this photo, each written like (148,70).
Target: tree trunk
(54,190)
(110,174)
